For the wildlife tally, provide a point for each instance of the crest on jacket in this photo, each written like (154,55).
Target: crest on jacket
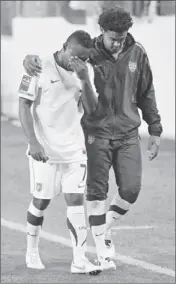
(132,66)
(91,139)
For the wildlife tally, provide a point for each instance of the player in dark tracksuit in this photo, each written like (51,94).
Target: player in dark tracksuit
(124,82)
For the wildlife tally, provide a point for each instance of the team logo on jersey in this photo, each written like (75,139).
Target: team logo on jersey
(82,184)
(132,66)
(38,186)
(25,83)
(54,81)
(91,139)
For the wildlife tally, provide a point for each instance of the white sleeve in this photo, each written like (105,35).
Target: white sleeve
(78,100)
(91,77)
(28,88)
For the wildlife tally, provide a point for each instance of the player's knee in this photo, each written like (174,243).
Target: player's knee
(94,204)
(74,199)
(96,207)
(41,204)
(96,192)
(130,193)
(96,197)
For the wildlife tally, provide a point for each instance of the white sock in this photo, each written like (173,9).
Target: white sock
(33,231)
(118,208)
(97,220)
(33,236)
(98,233)
(78,231)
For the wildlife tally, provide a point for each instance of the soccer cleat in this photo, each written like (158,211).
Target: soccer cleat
(84,266)
(106,263)
(33,260)
(110,247)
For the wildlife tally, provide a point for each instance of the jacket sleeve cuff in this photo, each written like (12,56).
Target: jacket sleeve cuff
(155,132)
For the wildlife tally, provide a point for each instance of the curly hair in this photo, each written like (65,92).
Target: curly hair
(115,19)
(82,38)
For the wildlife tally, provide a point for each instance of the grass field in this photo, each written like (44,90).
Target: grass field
(144,254)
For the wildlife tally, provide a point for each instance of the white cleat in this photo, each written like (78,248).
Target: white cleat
(106,263)
(33,260)
(84,266)
(110,247)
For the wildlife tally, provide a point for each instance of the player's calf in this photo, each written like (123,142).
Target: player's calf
(34,224)
(97,221)
(118,208)
(76,224)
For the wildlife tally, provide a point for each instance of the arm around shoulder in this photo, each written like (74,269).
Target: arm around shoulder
(32,64)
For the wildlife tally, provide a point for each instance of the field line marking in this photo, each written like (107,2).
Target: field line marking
(145,227)
(124,227)
(122,258)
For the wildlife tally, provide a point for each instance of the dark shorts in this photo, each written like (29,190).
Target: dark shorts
(125,157)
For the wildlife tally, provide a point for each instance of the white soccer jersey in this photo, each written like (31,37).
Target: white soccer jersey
(55,95)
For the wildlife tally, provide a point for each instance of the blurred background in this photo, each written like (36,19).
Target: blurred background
(40,27)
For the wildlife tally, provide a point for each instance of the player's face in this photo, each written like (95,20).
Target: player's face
(77,50)
(114,41)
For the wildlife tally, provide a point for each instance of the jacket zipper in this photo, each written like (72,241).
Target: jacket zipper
(114,106)
(114,109)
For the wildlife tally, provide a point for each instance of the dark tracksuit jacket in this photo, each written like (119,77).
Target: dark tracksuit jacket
(123,85)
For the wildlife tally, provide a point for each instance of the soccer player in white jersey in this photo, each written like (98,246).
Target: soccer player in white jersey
(50,109)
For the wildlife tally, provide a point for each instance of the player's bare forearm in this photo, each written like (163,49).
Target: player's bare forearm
(26,119)
(88,98)
(36,151)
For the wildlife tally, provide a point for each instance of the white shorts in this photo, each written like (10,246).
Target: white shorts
(48,180)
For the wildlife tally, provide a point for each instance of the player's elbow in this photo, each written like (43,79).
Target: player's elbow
(24,104)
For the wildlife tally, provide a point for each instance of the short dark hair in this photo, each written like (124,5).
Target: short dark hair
(82,38)
(115,19)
